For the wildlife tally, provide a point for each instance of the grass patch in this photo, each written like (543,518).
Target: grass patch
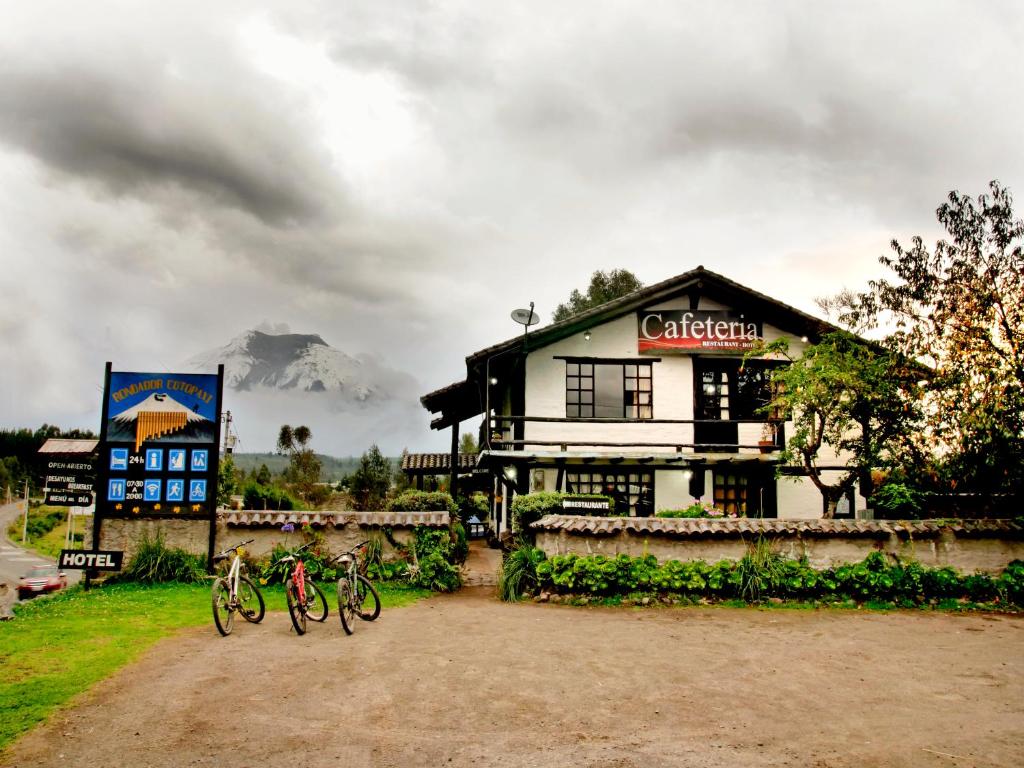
(59,646)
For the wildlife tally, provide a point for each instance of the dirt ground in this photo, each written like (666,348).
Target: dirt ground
(467,681)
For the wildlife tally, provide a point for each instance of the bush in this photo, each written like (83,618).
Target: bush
(763,573)
(423,501)
(531,507)
(435,568)
(898,501)
(155,563)
(518,573)
(696,510)
(258,496)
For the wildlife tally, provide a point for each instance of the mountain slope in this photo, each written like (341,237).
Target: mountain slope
(306,363)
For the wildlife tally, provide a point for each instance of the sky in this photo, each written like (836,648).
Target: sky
(398,176)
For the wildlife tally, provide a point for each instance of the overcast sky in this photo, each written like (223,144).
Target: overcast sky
(397,177)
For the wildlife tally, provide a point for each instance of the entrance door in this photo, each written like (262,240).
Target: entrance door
(714,390)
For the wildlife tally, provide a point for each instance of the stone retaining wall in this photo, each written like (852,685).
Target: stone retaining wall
(967,545)
(342,530)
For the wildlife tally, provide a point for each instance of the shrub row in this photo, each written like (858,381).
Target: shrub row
(759,576)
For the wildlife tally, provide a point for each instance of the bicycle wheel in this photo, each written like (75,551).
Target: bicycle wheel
(295,608)
(316,603)
(223,613)
(346,607)
(367,600)
(250,600)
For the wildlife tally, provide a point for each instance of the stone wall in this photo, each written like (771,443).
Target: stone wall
(967,545)
(341,530)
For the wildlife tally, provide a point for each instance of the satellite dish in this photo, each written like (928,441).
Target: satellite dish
(526,317)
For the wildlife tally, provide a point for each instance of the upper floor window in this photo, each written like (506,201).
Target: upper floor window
(608,390)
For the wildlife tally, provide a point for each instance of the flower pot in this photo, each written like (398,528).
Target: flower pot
(767,446)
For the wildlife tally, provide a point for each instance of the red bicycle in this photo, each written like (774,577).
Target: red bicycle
(305,599)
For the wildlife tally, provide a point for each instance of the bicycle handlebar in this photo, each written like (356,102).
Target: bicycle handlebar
(232,549)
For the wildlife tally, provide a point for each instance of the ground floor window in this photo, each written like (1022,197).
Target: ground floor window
(745,492)
(730,494)
(633,492)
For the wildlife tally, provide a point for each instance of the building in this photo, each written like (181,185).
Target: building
(644,399)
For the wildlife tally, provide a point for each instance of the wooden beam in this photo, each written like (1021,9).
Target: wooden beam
(453,476)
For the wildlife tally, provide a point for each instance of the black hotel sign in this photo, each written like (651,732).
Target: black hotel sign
(90,559)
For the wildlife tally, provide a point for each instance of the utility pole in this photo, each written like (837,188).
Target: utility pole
(24,527)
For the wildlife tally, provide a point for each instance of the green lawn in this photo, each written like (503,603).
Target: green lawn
(59,646)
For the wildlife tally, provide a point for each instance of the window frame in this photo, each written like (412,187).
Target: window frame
(636,378)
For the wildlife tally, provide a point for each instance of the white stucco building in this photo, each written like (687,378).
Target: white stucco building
(644,399)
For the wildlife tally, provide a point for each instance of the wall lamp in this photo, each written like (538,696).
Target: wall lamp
(586,335)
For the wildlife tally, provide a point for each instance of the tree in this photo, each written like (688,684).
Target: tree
(227,481)
(604,287)
(858,400)
(959,308)
(304,467)
(467,443)
(262,476)
(370,483)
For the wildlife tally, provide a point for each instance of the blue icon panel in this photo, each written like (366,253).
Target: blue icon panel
(119,459)
(175,490)
(116,489)
(151,490)
(200,460)
(176,460)
(154,459)
(197,490)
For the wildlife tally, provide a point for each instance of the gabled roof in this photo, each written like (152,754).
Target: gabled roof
(461,400)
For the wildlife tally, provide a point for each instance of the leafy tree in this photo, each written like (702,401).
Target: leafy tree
(467,443)
(262,476)
(845,397)
(227,481)
(959,308)
(304,467)
(370,483)
(604,287)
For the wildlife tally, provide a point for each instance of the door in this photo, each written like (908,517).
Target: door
(714,390)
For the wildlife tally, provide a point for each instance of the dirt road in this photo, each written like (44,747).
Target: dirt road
(468,681)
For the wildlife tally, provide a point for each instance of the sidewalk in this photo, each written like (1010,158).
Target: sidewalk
(481,567)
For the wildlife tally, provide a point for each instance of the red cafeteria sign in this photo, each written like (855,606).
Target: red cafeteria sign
(664,330)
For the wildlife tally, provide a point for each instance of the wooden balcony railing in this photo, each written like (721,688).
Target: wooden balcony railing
(503,434)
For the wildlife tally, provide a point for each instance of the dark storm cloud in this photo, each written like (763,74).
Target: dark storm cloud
(139,128)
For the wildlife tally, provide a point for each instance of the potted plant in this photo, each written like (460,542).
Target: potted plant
(769,435)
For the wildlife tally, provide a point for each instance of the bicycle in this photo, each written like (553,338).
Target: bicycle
(355,592)
(305,598)
(235,592)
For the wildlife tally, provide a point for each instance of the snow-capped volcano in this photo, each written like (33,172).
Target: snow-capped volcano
(158,403)
(304,362)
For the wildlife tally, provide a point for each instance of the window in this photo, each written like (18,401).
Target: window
(730,493)
(633,492)
(608,390)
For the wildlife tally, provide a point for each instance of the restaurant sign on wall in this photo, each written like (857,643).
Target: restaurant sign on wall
(716,330)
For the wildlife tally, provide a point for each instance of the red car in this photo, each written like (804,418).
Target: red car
(41,580)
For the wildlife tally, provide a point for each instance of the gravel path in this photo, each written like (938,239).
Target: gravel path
(467,681)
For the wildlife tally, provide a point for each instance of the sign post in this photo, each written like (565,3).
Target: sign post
(159,448)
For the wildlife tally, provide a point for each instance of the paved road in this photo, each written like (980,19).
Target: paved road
(15,561)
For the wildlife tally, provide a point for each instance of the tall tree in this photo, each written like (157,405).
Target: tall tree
(604,287)
(370,483)
(844,397)
(303,465)
(960,309)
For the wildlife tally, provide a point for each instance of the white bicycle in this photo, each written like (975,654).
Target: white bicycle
(235,592)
